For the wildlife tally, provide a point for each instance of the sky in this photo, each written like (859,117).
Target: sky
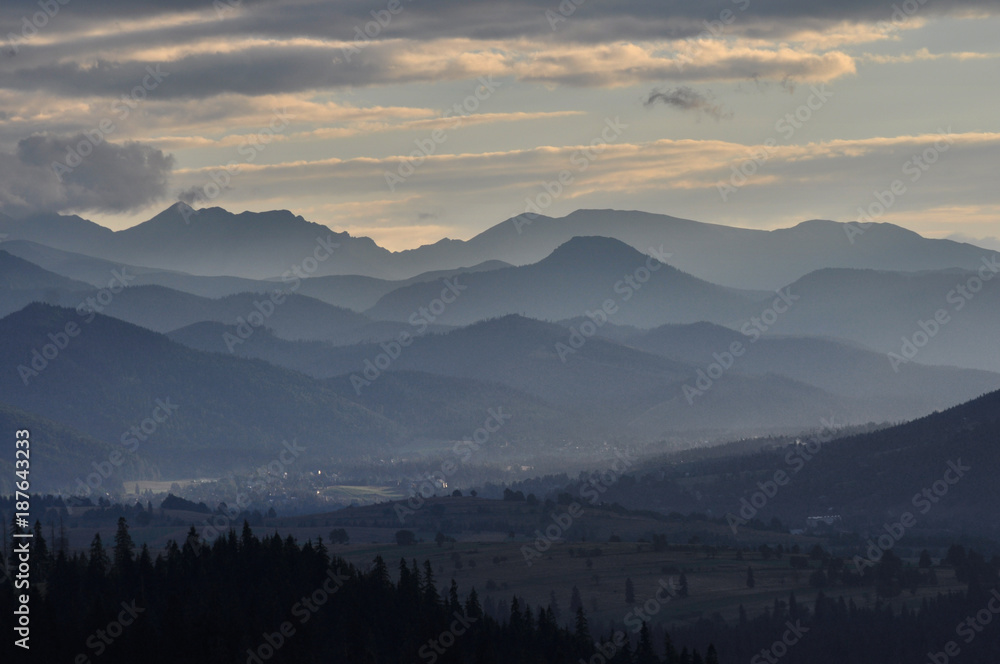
(412,120)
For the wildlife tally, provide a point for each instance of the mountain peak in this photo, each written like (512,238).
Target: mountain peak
(587,248)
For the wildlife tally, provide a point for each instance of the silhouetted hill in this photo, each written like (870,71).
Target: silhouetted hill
(266,244)
(290,315)
(22,282)
(837,367)
(230,412)
(450,408)
(869,479)
(737,257)
(640,393)
(879,309)
(60,454)
(579,276)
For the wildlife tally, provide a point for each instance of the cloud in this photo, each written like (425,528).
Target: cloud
(287,68)
(688,99)
(109,178)
(177,21)
(925,54)
(829,180)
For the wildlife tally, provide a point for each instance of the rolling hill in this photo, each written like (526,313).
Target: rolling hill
(838,367)
(869,479)
(880,309)
(636,392)
(579,276)
(228,412)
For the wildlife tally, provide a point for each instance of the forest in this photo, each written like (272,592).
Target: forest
(244,598)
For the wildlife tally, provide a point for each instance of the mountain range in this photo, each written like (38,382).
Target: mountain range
(593,341)
(265,245)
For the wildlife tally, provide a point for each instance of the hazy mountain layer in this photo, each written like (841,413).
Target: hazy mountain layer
(264,245)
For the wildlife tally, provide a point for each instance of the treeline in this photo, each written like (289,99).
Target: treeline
(247,599)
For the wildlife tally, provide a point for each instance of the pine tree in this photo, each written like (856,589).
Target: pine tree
(516,620)
(472,607)
(554,607)
(404,577)
(582,630)
(63,543)
(97,567)
(644,654)
(454,605)
(124,548)
(39,547)
(431,595)
(671,656)
(380,572)
(575,601)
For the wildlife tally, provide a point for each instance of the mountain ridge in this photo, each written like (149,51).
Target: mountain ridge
(269,243)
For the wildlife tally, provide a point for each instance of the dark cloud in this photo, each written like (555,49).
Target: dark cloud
(688,99)
(591,21)
(191,195)
(254,71)
(70,67)
(56,174)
